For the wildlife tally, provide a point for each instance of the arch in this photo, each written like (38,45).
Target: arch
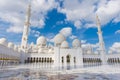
(62,59)
(34,59)
(31,60)
(47,59)
(74,59)
(93,60)
(42,60)
(83,60)
(115,61)
(50,60)
(110,60)
(97,60)
(68,58)
(88,60)
(28,60)
(37,60)
(118,60)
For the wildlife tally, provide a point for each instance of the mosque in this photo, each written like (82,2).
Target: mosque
(59,55)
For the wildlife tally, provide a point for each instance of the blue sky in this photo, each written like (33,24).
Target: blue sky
(75,19)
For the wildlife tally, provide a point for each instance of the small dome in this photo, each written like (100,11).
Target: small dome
(58,39)
(88,52)
(64,44)
(40,50)
(96,52)
(32,45)
(41,41)
(3,41)
(76,43)
(19,50)
(15,48)
(50,50)
(11,45)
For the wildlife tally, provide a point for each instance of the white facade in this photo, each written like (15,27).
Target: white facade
(58,55)
(9,53)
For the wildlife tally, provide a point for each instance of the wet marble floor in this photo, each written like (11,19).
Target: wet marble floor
(90,73)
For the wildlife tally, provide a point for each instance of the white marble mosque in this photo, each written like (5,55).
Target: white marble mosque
(58,55)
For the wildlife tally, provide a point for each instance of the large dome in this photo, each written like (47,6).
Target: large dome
(76,43)
(58,39)
(3,41)
(11,45)
(41,41)
(64,44)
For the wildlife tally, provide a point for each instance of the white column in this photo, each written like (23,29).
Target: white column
(56,57)
(79,58)
(65,62)
(72,61)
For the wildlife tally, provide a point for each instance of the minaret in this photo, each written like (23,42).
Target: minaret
(101,42)
(26,29)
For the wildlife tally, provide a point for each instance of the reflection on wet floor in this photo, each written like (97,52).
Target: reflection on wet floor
(39,74)
(36,75)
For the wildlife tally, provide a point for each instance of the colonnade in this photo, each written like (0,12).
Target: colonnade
(113,60)
(98,60)
(39,59)
(7,60)
(92,60)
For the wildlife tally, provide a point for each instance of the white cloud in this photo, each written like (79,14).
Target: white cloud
(85,45)
(14,29)
(117,32)
(50,40)
(117,19)
(93,47)
(108,11)
(72,37)
(89,25)
(77,11)
(83,41)
(66,31)
(77,24)
(115,47)
(40,9)
(50,37)
(86,10)
(14,13)
(41,23)
(11,13)
(35,33)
